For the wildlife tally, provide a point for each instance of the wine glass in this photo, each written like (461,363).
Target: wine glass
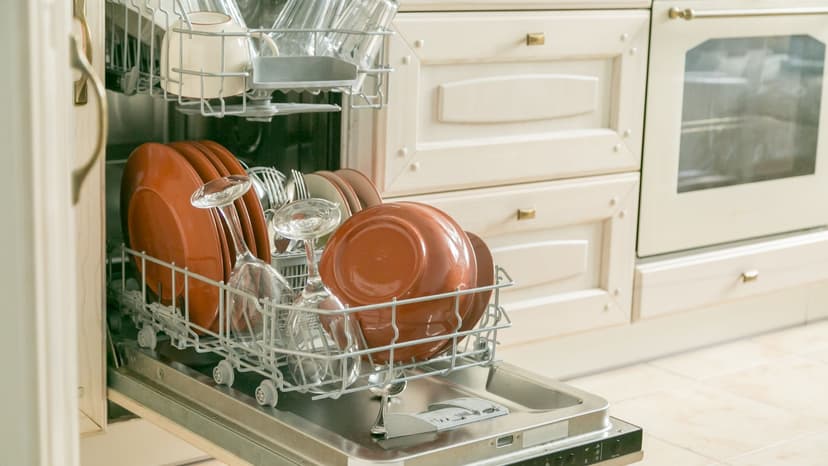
(252,278)
(327,338)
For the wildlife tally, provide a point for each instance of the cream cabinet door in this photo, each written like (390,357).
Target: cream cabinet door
(89,235)
(692,281)
(481,99)
(572,263)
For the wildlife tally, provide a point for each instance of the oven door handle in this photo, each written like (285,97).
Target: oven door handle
(691,13)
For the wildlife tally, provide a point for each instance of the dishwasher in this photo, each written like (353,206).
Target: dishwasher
(461,406)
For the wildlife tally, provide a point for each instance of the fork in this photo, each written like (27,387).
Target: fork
(301,187)
(277,189)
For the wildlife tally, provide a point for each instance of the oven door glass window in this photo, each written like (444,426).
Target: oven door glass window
(750,110)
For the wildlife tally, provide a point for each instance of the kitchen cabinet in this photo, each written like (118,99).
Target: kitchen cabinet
(703,279)
(483,99)
(569,246)
(38,337)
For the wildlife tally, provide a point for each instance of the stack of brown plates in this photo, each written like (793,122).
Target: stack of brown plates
(352,190)
(158,219)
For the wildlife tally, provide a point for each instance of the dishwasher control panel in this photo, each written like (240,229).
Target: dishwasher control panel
(620,442)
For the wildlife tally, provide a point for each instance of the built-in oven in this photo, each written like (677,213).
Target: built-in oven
(736,133)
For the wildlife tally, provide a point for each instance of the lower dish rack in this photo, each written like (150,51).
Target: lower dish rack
(267,356)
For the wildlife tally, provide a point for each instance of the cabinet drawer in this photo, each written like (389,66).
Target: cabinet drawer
(472,104)
(672,285)
(572,263)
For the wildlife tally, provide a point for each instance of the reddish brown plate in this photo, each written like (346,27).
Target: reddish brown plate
(364,188)
(248,231)
(347,191)
(207,172)
(485,277)
(241,208)
(254,207)
(158,218)
(401,250)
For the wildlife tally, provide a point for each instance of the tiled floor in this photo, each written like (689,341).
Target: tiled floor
(761,401)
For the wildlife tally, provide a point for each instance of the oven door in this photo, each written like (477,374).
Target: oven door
(734,148)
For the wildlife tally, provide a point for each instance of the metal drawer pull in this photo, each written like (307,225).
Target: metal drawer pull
(690,13)
(526,214)
(750,276)
(535,38)
(78,60)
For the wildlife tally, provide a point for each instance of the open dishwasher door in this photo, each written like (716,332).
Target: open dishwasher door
(547,422)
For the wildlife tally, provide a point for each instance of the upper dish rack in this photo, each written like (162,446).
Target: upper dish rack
(135,32)
(130,294)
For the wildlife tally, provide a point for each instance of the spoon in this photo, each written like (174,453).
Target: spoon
(386,391)
(393,389)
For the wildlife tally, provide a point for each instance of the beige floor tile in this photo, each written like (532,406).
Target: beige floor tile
(719,360)
(809,450)
(794,383)
(798,340)
(712,422)
(819,355)
(660,453)
(630,382)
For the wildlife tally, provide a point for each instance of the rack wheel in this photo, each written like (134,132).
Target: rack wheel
(266,393)
(147,337)
(223,373)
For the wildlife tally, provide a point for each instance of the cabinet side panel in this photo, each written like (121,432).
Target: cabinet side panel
(89,237)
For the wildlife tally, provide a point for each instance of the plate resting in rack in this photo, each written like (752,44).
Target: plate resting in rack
(254,207)
(157,217)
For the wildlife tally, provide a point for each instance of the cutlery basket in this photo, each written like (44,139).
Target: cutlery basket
(267,357)
(135,31)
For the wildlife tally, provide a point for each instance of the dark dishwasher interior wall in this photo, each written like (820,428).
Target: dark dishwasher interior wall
(307,142)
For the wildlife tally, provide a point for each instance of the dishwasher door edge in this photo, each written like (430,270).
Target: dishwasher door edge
(192,421)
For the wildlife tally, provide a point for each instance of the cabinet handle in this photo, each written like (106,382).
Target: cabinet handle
(690,14)
(526,214)
(535,38)
(78,60)
(81,85)
(750,276)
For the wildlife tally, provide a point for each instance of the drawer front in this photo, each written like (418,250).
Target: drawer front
(474,5)
(472,104)
(572,263)
(673,285)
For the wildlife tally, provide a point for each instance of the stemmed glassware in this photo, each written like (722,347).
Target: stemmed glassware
(253,278)
(331,337)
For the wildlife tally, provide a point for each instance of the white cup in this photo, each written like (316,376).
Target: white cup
(200,53)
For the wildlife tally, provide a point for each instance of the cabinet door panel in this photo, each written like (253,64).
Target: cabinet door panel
(666,286)
(572,263)
(89,238)
(473,105)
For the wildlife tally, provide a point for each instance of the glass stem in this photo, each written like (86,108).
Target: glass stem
(231,218)
(314,283)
